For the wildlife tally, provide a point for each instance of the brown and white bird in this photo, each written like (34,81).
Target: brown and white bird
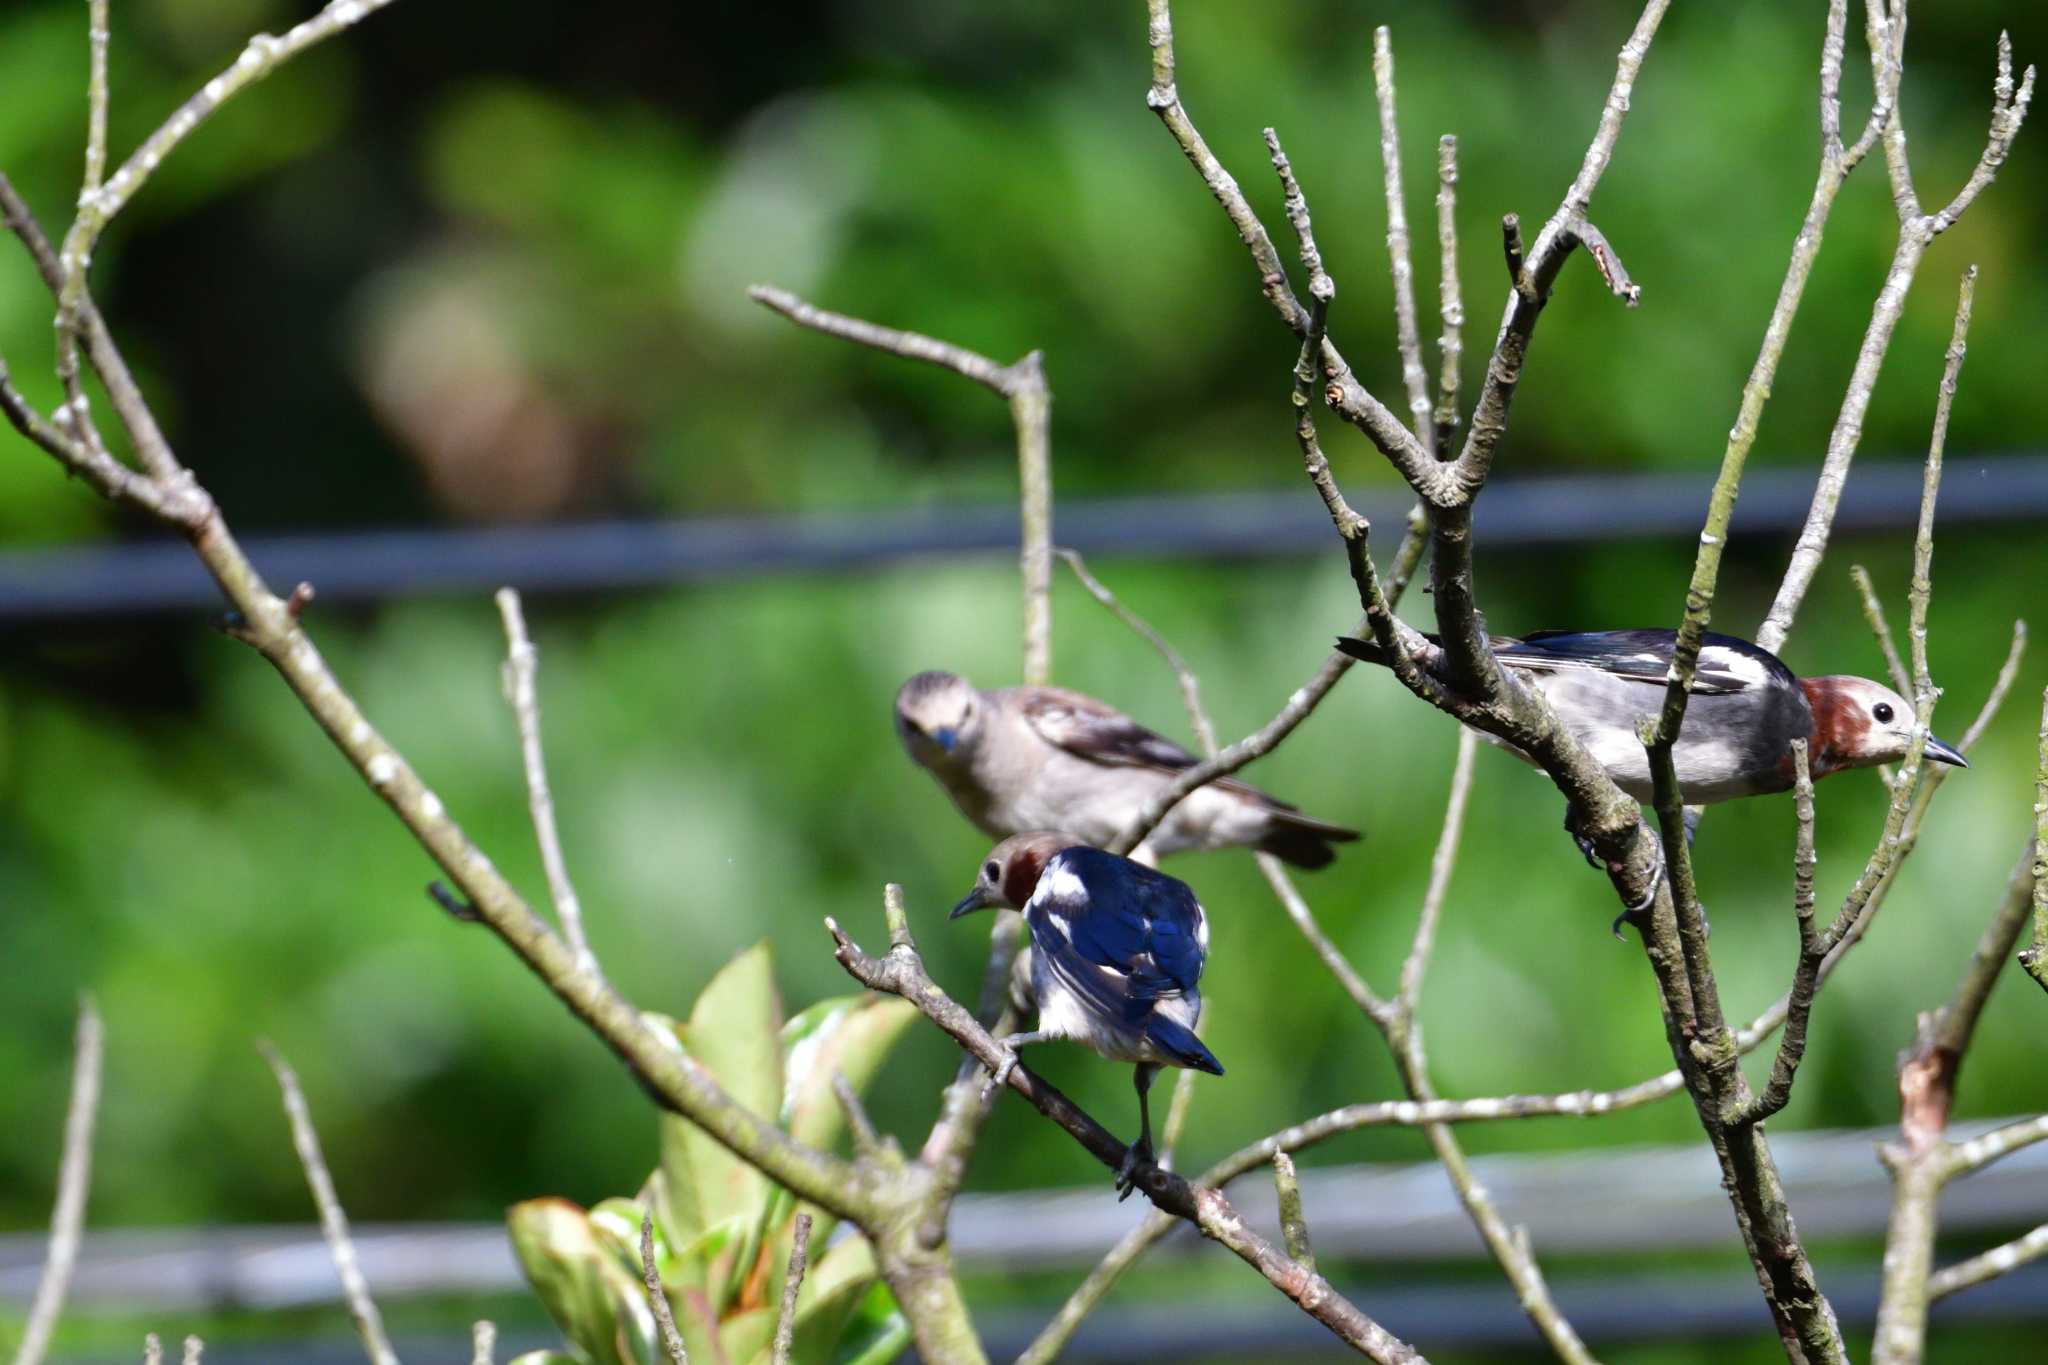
(1746,709)
(1117,951)
(1033,758)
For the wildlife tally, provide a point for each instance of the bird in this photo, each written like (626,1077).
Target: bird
(1019,759)
(1746,709)
(1117,950)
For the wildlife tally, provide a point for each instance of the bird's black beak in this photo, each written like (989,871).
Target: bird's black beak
(977,899)
(1942,753)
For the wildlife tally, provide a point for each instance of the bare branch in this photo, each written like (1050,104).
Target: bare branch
(2035,959)
(1408,337)
(1445,859)
(483,1342)
(152,1349)
(1293,1226)
(522,665)
(333,1222)
(1873,612)
(1980,1152)
(1450,302)
(1777,1090)
(1022,385)
(1756,389)
(1916,231)
(657,1295)
(195,1351)
(792,1284)
(2008,672)
(263,55)
(95,98)
(74,1183)
(1988,1265)
(1190,686)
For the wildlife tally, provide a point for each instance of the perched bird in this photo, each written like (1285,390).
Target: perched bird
(1116,955)
(1745,711)
(1035,758)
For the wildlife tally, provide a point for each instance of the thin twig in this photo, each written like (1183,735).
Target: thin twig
(792,1284)
(1916,232)
(1988,1265)
(1190,686)
(152,1349)
(96,98)
(74,1183)
(1873,612)
(483,1342)
(1440,866)
(1022,385)
(195,1351)
(2035,959)
(1293,1225)
(1997,1144)
(1408,337)
(1450,301)
(522,693)
(333,1222)
(657,1293)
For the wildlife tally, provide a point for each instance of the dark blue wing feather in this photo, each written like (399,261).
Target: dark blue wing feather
(1131,936)
(1642,656)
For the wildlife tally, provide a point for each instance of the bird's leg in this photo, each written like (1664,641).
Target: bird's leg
(1139,1152)
(1001,1075)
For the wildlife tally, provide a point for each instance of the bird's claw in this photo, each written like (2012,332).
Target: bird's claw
(1637,913)
(1001,1075)
(1137,1154)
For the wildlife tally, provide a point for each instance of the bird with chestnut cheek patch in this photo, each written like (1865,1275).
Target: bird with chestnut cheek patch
(1746,709)
(1117,951)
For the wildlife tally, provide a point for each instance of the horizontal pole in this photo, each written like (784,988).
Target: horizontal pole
(146,578)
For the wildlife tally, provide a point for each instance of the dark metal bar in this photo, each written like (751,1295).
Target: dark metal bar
(154,577)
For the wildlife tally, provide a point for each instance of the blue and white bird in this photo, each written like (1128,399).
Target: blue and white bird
(1116,958)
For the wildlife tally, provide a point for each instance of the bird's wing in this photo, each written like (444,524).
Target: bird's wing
(1119,934)
(1726,663)
(1098,732)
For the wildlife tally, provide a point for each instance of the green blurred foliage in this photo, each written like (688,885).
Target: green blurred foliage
(463,268)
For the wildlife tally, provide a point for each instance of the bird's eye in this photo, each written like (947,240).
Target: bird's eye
(1883,712)
(992,871)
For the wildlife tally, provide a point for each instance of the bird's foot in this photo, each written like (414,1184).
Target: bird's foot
(1001,1075)
(1637,914)
(1137,1154)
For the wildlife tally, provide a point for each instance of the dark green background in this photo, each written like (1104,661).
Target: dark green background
(487,263)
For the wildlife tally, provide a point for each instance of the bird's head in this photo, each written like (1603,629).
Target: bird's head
(1858,723)
(1010,872)
(937,716)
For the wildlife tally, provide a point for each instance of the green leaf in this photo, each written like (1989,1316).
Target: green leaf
(850,1035)
(735,1034)
(748,1336)
(574,1270)
(878,1334)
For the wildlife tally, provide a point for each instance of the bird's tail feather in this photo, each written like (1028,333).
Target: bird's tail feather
(1179,1045)
(1367,651)
(1304,840)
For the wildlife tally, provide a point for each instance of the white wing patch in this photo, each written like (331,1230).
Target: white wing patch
(1058,883)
